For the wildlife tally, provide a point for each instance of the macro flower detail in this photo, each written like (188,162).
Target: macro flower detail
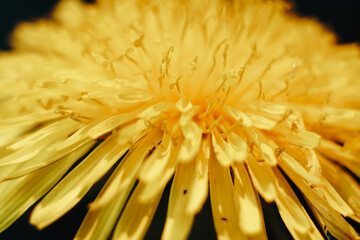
(234,100)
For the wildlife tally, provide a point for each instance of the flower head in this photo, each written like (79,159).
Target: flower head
(231,99)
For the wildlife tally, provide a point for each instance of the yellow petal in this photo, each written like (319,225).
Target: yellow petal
(12,133)
(137,216)
(19,194)
(288,162)
(238,147)
(75,185)
(106,208)
(239,116)
(334,199)
(192,141)
(304,139)
(128,169)
(178,222)
(263,179)
(99,222)
(33,148)
(40,135)
(42,159)
(29,120)
(344,184)
(268,154)
(250,214)
(199,185)
(221,149)
(109,124)
(158,160)
(347,158)
(62,88)
(261,122)
(77,139)
(269,107)
(336,152)
(153,110)
(114,122)
(342,118)
(337,225)
(263,144)
(222,201)
(292,212)
(192,133)
(157,184)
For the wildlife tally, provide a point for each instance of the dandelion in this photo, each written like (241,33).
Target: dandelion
(231,99)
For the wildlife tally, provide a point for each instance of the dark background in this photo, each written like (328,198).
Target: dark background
(343,17)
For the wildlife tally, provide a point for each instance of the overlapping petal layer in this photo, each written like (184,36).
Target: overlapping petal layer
(231,99)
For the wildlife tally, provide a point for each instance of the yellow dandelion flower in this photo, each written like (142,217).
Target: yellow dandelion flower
(231,99)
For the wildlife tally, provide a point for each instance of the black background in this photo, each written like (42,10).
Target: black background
(343,17)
